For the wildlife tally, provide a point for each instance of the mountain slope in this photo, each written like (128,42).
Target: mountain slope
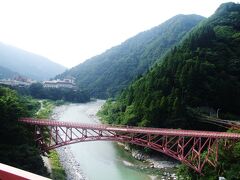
(106,74)
(6,73)
(28,64)
(201,75)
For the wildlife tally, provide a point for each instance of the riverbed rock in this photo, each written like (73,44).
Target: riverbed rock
(151,165)
(138,155)
(127,148)
(70,165)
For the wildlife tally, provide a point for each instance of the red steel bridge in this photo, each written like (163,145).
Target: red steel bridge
(186,146)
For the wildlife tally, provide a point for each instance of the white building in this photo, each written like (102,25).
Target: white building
(66,83)
(17,81)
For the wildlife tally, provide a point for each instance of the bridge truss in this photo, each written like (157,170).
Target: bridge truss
(186,146)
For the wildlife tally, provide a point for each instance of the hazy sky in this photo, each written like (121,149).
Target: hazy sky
(70,31)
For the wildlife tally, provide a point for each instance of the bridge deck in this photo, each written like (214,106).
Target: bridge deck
(129,129)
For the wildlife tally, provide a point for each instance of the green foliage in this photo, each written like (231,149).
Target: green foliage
(37,90)
(201,74)
(17,146)
(203,71)
(58,172)
(107,74)
(46,110)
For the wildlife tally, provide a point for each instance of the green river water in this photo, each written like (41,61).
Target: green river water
(101,160)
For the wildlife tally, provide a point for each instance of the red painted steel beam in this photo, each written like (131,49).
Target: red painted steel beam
(12,173)
(170,132)
(186,146)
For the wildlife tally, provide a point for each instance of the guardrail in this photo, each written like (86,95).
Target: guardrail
(12,173)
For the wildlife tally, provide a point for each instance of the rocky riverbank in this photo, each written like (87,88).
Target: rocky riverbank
(153,162)
(156,162)
(71,166)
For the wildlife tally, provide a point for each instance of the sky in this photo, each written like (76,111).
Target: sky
(71,31)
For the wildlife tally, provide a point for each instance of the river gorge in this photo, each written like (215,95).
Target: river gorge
(103,160)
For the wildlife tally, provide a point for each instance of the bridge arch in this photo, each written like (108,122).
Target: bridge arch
(186,146)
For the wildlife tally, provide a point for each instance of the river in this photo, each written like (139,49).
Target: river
(98,160)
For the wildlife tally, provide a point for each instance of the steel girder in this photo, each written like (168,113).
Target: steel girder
(193,148)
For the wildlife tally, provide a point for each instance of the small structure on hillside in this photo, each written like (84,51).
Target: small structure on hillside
(17,81)
(65,83)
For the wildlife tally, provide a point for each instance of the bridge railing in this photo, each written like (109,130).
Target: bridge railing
(131,129)
(12,173)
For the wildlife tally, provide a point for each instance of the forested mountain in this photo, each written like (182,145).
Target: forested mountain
(201,75)
(6,73)
(28,64)
(106,74)
(195,79)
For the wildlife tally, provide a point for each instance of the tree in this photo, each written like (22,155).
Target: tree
(17,146)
